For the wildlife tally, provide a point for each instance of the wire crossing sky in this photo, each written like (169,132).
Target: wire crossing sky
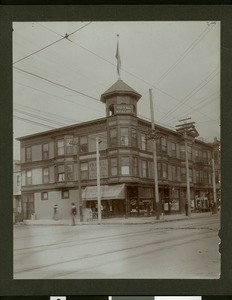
(60,70)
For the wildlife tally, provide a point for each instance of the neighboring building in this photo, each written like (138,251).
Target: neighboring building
(49,164)
(17,205)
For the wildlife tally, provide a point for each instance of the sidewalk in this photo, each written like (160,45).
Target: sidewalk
(120,221)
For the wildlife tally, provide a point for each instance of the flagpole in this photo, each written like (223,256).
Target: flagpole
(118,59)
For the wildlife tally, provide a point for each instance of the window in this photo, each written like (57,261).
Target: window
(189,153)
(164,170)
(28,154)
(69,146)
(174,174)
(143,141)
(60,173)
(133,137)
(65,194)
(113,137)
(135,166)
(83,144)
(124,136)
(144,168)
(163,144)
(125,165)
(182,152)
(205,157)
(46,175)
(114,166)
(84,171)
(28,177)
(173,149)
(60,147)
(205,177)
(190,175)
(45,149)
(44,196)
(18,180)
(183,174)
(69,169)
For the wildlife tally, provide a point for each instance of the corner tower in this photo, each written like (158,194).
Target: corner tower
(120,99)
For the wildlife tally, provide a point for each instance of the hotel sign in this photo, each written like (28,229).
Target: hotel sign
(123,109)
(103,169)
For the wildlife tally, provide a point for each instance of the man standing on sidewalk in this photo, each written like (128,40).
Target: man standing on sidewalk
(73,213)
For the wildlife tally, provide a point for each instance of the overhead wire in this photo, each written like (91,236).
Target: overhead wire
(67,37)
(45,47)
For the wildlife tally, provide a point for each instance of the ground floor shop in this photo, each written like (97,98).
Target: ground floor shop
(116,200)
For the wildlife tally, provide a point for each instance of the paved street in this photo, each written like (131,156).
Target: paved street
(177,249)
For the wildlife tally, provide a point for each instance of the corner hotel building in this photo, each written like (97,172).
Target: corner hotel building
(52,160)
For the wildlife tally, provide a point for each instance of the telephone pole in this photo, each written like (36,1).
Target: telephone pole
(154,137)
(79,199)
(98,180)
(187,130)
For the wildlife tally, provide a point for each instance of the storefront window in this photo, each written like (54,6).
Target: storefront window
(125,165)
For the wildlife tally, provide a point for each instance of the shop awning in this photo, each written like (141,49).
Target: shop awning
(108,192)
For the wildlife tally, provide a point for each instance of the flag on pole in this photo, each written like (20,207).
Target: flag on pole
(118,60)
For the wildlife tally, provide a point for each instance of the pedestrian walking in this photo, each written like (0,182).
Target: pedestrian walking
(56,212)
(73,213)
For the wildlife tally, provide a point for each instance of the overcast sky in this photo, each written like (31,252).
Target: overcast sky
(58,81)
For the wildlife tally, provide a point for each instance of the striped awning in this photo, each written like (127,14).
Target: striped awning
(108,192)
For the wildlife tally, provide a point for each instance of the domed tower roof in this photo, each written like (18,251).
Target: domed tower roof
(119,88)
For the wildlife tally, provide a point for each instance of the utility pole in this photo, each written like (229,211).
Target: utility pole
(98,181)
(79,200)
(186,129)
(214,208)
(153,136)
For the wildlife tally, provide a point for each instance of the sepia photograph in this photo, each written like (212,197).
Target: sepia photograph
(116,150)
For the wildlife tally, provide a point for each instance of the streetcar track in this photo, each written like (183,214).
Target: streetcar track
(112,252)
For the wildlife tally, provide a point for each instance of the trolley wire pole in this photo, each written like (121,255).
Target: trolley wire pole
(187,130)
(153,136)
(98,180)
(79,199)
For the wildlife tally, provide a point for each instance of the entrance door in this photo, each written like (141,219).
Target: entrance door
(28,206)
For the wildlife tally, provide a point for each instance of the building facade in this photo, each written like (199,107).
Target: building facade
(52,163)
(17,204)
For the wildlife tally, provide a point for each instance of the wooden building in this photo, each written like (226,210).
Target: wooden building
(53,161)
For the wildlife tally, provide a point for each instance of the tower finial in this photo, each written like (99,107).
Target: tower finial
(118,58)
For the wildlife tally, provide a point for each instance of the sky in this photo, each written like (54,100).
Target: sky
(60,70)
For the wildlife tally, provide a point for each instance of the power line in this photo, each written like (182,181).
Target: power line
(190,95)
(33,122)
(55,83)
(49,94)
(186,52)
(62,37)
